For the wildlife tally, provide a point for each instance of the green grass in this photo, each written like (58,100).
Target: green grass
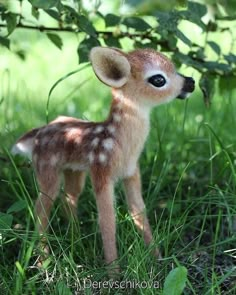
(189,186)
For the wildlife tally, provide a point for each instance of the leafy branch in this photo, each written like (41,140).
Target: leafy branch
(163,34)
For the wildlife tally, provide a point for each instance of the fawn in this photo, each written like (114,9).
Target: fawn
(109,150)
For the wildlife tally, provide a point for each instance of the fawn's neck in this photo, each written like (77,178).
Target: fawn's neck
(131,120)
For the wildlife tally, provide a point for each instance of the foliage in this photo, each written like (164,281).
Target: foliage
(161,31)
(175,281)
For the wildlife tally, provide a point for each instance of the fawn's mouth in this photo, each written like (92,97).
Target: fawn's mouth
(188,88)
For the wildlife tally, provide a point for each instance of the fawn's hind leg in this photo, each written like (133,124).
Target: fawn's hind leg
(74,184)
(49,184)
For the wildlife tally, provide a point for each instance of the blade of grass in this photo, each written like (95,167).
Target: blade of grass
(172,206)
(58,82)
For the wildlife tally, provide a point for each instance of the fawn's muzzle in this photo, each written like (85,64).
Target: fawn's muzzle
(188,87)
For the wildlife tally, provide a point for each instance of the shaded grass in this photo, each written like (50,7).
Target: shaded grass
(188,172)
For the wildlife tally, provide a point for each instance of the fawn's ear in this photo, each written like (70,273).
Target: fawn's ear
(110,66)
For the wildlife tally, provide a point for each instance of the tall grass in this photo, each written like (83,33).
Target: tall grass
(189,185)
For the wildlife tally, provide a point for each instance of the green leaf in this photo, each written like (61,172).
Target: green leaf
(186,59)
(199,54)
(148,7)
(229,7)
(112,41)
(112,20)
(168,22)
(172,42)
(70,15)
(194,13)
(138,44)
(3,6)
(5,42)
(214,66)
(17,206)
(182,3)
(175,281)
(197,9)
(207,85)
(44,4)
(21,54)
(56,40)
(11,19)
(53,13)
(231,58)
(5,221)
(136,23)
(35,12)
(215,47)
(86,26)
(84,48)
(183,38)
(227,17)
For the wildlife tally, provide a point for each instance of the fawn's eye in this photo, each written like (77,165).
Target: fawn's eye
(157,80)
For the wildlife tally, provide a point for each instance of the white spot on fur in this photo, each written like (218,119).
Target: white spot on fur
(23,148)
(131,167)
(116,117)
(91,157)
(54,160)
(102,158)
(98,129)
(108,143)
(95,142)
(75,166)
(87,131)
(77,140)
(119,105)
(71,132)
(111,129)
(35,158)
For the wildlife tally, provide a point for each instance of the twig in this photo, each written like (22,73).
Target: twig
(145,35)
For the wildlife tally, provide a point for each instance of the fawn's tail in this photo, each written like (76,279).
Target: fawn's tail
(25,144)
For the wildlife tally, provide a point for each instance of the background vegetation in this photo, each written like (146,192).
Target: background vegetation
(188,165)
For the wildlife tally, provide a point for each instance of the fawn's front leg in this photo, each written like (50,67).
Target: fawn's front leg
(103,187)
(133,189)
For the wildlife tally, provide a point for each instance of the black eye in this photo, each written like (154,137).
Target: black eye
(157,80)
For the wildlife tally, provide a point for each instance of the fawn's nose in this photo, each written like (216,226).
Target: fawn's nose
(188,87)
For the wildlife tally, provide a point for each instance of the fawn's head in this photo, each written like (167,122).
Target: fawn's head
(145,75)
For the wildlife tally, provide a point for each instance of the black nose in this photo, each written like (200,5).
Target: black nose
(189,85)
